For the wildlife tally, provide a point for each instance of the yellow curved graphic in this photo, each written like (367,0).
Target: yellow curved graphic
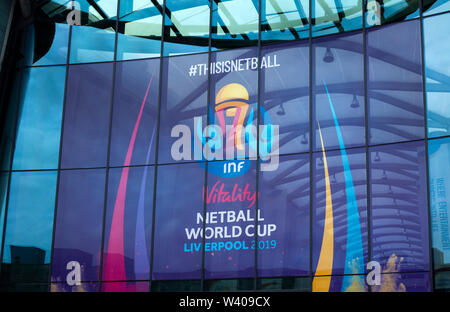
(325,263)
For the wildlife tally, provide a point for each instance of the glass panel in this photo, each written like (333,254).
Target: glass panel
(86,119)
(230,221)
(411,282)
(387,11)
(231,192)
(339,91)
(234,23)
(139,33)
(178,223)
(302,284)
(435,6)
(399,218)
(283,20)
(183,98)
(284,206)
(389,282)
(135,113)
(45,41)
(340,218)
(285,94)
(29,227)
(39,124)
(25,288)
(234,106)
(78,229)
(171,286)
(437,71)
(9,124)
(93,35)
(395,97)
(439,170)
(442,281)
(228,285)
(186,28)
(126,251)
(125,286)
(334,283)
(334,16)
(82,287)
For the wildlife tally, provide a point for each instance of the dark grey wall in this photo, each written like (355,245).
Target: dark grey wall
(5,10)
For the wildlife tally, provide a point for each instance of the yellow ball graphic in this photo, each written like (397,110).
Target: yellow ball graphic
(235,93)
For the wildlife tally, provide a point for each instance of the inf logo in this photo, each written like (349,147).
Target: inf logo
(231,135)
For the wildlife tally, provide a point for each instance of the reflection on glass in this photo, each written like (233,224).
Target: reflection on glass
(399,218)
(283,20)
(234,23)
(302,284)
(135,111)
(139,33)
(340,217)
(335,16)
(387,11)
(442,281)
(178,242)
(86,119)
(411,282)
(127,233)
(45,41)
(437,72)
(93,40)
(339,91)
(435,6)
(394,85)
(78,227)
(227,285)
(183,99)
(83,287)
(186,27)
(39,120)
(389,282)
(25,287)
(285,94)
(172,286)
(284,202)
(29,226)
(439,171)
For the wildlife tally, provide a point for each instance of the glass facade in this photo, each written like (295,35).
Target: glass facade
(228,145)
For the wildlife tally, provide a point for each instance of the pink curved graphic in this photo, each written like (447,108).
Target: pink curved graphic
(114,268)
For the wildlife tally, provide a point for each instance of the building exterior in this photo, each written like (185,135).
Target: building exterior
(195,145)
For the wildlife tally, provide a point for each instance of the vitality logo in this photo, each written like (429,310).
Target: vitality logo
(231,135)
